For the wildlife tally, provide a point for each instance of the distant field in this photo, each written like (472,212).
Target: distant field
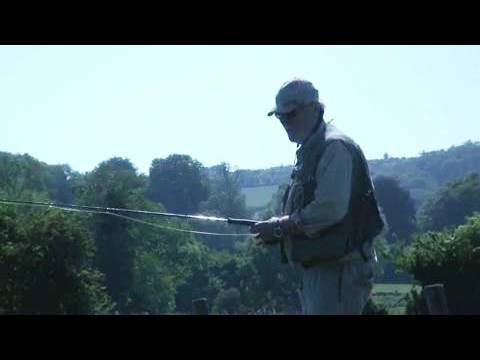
(391,295)
(392,288)
(259,195)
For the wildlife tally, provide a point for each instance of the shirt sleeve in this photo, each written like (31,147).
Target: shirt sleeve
(332,193)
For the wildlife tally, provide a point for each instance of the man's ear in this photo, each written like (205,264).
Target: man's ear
(318,109)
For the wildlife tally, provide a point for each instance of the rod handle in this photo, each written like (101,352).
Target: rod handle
(245,222)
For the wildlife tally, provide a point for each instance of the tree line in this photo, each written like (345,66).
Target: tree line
(61,263)
(422,176)
(57,262)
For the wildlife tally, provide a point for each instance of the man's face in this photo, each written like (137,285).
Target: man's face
(299,123)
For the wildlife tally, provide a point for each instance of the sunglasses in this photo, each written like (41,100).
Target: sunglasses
(291,114)
(287,116)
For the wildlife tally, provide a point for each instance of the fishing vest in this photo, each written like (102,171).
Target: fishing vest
(362,221)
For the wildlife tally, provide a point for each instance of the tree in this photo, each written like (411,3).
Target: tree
(200,280)
(266,283)
(45,263)
(399,210)
(58,184)
(176,182)
(397,206)
(225,200)
(450,257)
(228,301)
(160,271)
(373,308)
(114,183)
(162,263)
(451,205)
(145,267)
(21,175)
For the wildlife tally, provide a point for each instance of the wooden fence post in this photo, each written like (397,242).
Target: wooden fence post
(200,306)
(436,300)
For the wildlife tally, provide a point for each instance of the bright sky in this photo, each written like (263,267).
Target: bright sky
(81,105)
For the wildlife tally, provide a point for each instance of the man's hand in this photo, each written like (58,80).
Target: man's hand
(268,231)
(272,230)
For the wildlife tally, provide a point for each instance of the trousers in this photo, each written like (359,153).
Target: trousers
(336,289)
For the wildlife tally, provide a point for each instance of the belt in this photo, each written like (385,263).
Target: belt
(330,261)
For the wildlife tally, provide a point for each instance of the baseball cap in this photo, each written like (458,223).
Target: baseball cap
(293,94)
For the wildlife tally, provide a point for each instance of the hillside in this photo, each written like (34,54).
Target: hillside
(422,175)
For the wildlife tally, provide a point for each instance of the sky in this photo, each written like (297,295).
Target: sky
(81,105)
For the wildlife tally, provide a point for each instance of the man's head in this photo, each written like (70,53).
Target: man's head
(298,109)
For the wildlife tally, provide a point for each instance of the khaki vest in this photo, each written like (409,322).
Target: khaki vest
(362,221)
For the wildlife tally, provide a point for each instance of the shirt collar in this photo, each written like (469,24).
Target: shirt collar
(318,131)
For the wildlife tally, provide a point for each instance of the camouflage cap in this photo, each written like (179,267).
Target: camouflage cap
(293,94)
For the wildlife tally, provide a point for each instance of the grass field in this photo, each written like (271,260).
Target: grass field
(392,296)
(392,288)
(259,195)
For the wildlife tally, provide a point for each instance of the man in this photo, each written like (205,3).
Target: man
(330,214)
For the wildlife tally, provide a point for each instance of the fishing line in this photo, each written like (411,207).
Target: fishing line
(125,217)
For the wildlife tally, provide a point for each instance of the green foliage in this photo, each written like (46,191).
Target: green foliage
(421,176)
(154,287)
(114,183)
(177,183)
(227,302)
(22,175)
(144,266)
(452,258)
(386,269)
(105,259)
(266,282)
(162,262)
(398,207)
(260,281)
(451,205)
(392,297)
(226,198)
(45,266)
(150,270)
(202,278)
(58,183)
(415,303)
(273,176)
(372,308)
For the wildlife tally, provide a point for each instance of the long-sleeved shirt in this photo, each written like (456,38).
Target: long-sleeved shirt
(332,193)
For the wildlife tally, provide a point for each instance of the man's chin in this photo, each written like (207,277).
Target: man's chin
(292,138)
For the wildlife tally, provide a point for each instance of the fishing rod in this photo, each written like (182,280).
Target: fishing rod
(245,222)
